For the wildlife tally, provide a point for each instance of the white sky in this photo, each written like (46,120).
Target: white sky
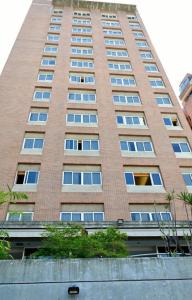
(168,23)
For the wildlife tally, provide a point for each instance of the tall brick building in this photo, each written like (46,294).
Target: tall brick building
(186,97)
(90,126)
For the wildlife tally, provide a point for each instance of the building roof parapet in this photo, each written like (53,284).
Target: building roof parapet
(104,6)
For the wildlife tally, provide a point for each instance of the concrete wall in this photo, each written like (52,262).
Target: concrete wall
(101,279)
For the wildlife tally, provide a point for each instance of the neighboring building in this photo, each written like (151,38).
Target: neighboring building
(90,126)
(186,97)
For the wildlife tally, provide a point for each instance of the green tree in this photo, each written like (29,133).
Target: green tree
(72,241)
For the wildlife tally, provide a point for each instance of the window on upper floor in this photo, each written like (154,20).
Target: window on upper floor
(181,147)
(151,68)
(112,32)
(27,177)
(81,51)
(33,143)
(56,19)
(171,121)
(117,53)
(117,80)
(48,61)
(115,42)
(131,120)
(82,13)
(136,146)
(19,216)
(146,55)
(50,49)
(142,44)
(121,66)
(109,16)
(81,29)
(151,216)
(156,82)
(163,100)
(81,40)
(110,24)
(54,27)
(131,17)
(77,63)
(42,94)
(187,177)
(82,78)
(57,11)
(45,76)
(38,116)
(126,98)
(82,118)
(134,25)
(82,96)
(138,34)
(53,37)
(82,212)
(81,144)
(86,178)
(81,21)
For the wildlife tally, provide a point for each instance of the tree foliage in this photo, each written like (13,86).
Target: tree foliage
(73,241)
(11,196)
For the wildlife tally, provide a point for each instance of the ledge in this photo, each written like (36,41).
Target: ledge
(129,8)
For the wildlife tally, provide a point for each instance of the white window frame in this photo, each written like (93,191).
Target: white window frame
(81,40)
(163,96)
(151,178)
(83,101)
(148,55)
(58,11)
(82,141)
(51,37)
(81,114)
(41,99)
(142,44)
(134,25)
(171,121)
(82,49)
(122,81)
(54,27)
(131,17)
(81,21)
(50,47)
(114,53)
(82,77)
(81,14)
(126,100)
(181,148)
(20,215)
(110,24)
(38,113)
(45,74)
(157,79)
(138,34)
(32,138)
(135,145)
(144,122)
(83,30)
(82,63)
(82,172)
(120,65)
(114,42)
(82,215)
(112,32)
(149,68)
(56,19)
(48,59)
(109,16)
(150,215)
(26,178)
(190,174)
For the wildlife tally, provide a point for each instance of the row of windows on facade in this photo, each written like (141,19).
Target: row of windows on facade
(85,96)
(91,216)
(94,178)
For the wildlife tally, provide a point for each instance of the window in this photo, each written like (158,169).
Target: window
(117,53)
(138,34)
(163,100)
(81,40)
(53,37)
(187,177)
(171,121)
(81,13)
(19,216)
(82,78)
(27,177)
(82,96)
(143,179)
(38,116)
(56,19)
(57,11)
(45,76)
(109,16)
(112,32)
(41,94)
(47,61)
(81,144)
(81,30)
(142,44)
(82,118)
(127,99)
(122,66)
(131,17)
(133,120)
(110,23)
(54,27)
(82,216)
(151,68)
(151,216)
(115,42)
(146,55)
(50,49)
(134,25)
(179,147)
(123,81)
(136,146)
(156,82)
(33,143)
(81,51)
(82,178)
(82,21)
(82,63)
